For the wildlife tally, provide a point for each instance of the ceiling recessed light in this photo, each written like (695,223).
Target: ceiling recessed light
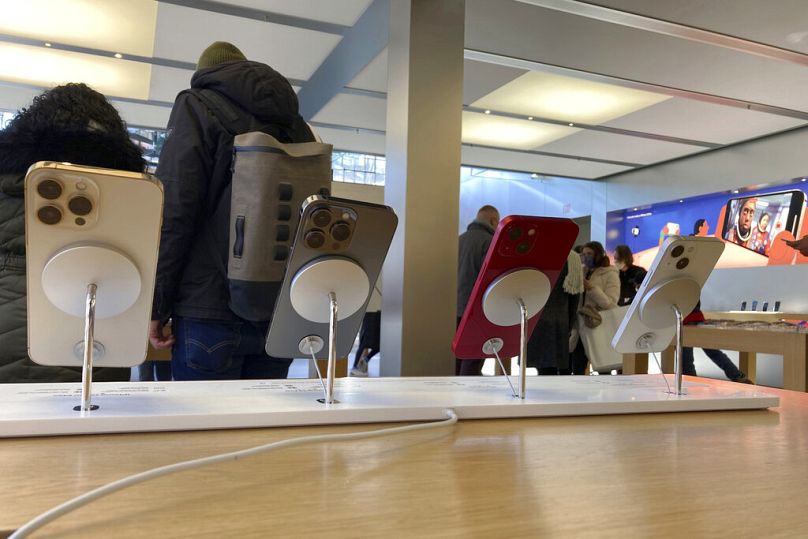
(118,55)
(111,25)
(531,119)
(48,45)
(567,99)
(488,112)
(571,124)
(504,132)
(51,66)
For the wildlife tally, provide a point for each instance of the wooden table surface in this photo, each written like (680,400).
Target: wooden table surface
(705,474)
(792,346)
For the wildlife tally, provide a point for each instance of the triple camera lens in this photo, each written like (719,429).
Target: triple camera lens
(79,205)
(321,218)
(341,231)
(49,189)
(314,239)
(50,215)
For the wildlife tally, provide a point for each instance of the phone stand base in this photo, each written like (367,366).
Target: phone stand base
(42,409)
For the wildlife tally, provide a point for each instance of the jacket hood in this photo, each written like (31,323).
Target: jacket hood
(20,150)
(255,87)
(480,225)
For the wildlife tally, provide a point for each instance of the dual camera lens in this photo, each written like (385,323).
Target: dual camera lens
(676,252)
(516,234)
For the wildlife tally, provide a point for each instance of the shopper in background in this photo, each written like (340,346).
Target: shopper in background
(631,275)
(601,292)
(71,123)
(473,246)
(212,343)
(548,349)
(370,334)
(716,356)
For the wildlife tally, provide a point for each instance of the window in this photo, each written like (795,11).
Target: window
(358,168)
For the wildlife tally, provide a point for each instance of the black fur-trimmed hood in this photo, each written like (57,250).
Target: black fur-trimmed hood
(20,150)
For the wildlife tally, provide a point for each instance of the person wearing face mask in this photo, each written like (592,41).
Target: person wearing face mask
(601,292)
(631,275)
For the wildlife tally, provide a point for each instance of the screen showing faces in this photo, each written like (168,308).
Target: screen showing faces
(752,222)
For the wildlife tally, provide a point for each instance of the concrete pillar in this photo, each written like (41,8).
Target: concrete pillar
(422,184)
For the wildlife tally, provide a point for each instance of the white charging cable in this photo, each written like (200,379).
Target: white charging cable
(88,497)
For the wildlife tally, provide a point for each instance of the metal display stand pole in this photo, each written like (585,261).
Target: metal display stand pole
(523,336)
(332,348)
(313,292)
(89,343)
(678,363)
(528,290)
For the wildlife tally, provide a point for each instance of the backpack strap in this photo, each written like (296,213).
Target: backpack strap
(221,107)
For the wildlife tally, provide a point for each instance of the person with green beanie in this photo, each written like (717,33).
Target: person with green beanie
(209,341)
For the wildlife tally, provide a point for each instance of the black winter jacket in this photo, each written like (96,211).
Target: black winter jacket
(473,246)
(195,171)
(18,151)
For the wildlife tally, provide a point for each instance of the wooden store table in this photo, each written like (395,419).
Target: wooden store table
(704,474)
(792,346)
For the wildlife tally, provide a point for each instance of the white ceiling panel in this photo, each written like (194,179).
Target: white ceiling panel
(622,148)
(503,132)
(547,95)
(782,23)
(481,78)
(183,33)
(694,120)
(167,82)
(345,12)
(548,165)
(16,97)
(528,32)
(113,25)
(374,75)
(142,115)
(354,111)
(351,141)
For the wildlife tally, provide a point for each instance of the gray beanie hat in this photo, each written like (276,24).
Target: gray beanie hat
(219,53)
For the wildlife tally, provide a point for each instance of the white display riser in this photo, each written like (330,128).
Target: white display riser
(47,409)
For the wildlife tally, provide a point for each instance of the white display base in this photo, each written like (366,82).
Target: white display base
(47,409)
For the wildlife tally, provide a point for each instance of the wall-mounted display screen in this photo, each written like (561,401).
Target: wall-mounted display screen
(754,222)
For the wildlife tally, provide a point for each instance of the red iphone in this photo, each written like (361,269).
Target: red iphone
(520,242)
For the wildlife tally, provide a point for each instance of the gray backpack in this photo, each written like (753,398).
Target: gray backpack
(271,180)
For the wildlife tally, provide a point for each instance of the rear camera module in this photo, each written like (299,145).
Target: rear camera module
(314,239)
(49,189)
(50,215)
(321,218)
(522,247)
(515,233)
(682,264)
(80,205)
(677,251)
(340,231)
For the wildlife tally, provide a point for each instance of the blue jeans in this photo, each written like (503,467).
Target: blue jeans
(717,356)
(223,350)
